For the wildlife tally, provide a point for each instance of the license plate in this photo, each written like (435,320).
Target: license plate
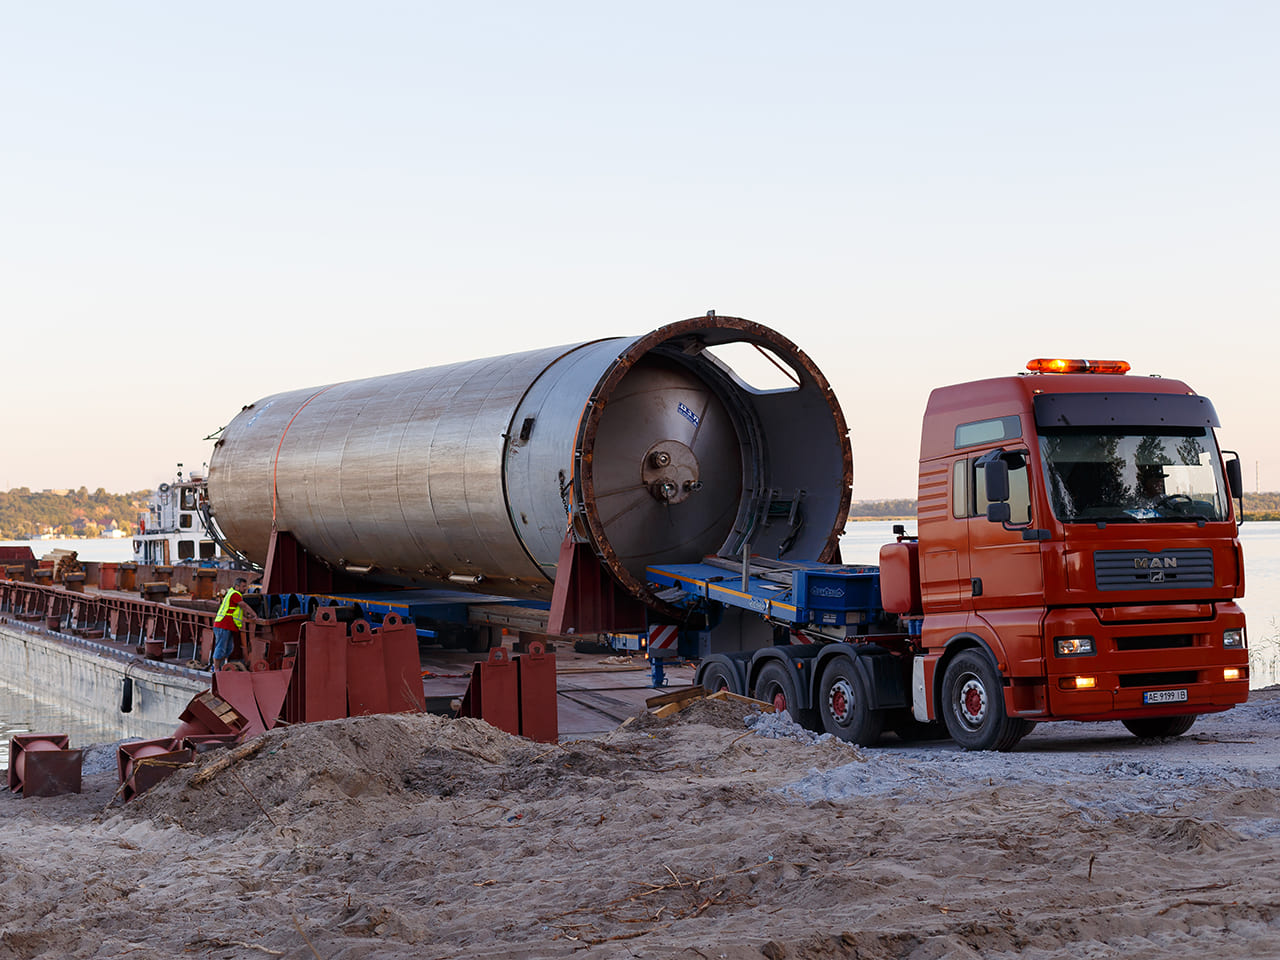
(1164,696)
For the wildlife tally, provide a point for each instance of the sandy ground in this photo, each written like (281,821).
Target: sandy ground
(695,836)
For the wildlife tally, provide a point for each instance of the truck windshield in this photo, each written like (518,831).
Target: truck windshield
(1127,477)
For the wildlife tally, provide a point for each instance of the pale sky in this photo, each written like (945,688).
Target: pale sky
(201,205)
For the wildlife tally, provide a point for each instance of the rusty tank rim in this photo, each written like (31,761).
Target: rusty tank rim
(746,331)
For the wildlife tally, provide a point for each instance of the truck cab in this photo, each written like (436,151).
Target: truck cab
(1077,556)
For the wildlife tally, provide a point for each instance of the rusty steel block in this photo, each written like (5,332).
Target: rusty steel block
(144,763)
(42,765)
(259,696)
(403,665)
(208,713)
(366,672)
(156,591)
(204,583)
(236,688)
(537,674)
(494,693)
(319,689)
(108,574)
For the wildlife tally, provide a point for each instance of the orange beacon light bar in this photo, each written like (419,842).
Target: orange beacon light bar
(1045,365)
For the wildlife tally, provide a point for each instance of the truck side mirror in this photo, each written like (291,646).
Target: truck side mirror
(999,513)
(996,474)
(1234,480)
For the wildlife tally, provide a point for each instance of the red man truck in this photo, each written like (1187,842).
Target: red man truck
(1076,558)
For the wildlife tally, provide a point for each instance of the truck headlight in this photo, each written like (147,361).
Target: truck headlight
(1233,638)
(1074,646)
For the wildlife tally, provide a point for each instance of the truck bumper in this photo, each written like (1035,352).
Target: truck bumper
(1145,667)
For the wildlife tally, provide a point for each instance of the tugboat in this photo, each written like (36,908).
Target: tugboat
(177,527)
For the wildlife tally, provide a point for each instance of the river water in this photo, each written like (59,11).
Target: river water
(20,713)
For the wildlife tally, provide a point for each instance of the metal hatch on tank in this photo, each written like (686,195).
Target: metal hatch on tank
(646,449)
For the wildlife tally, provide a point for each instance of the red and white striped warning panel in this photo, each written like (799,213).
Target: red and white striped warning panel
(662,639)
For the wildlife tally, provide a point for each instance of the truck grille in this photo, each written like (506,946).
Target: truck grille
(1176,678)
(1171,642)
(1147,570)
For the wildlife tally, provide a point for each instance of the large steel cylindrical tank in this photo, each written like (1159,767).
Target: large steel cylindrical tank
(650,448)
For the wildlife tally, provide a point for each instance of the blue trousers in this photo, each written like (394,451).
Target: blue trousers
(224,642)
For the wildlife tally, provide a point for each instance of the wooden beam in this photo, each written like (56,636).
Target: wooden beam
(675,696)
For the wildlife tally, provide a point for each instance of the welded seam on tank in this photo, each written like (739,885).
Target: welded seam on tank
(349,531)
(429,561)
(236,482)
(594,398)
(275,465)
(511,428)
(446,562)
(311,495)
(392,447)
(314,472)
(478,534)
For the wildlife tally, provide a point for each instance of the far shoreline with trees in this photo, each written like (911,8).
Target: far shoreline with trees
(26,514)
(1257,506)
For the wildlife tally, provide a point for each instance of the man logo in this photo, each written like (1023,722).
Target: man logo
(1153,563)
(1157,576)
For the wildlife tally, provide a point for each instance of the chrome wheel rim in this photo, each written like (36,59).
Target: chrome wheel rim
(971,700)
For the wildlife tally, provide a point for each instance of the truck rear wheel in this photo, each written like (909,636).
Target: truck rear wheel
(717,677)
(1151,727)
(973,705)
(843,702)
(775,685)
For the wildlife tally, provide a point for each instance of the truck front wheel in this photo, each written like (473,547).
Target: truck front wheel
(911,730)
(973,705)
(1151,727)
(843,702)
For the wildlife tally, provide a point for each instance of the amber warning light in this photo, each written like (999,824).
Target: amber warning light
(1045,365)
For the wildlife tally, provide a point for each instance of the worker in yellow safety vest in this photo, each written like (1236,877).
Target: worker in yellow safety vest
(229,622)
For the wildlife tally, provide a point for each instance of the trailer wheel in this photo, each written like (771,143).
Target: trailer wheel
(843,702)
(911,730)
(775,685)
(717,677)
(973,705)
(1150,727)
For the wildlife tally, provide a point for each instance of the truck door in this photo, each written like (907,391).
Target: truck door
(1004,569)
(1007,577)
